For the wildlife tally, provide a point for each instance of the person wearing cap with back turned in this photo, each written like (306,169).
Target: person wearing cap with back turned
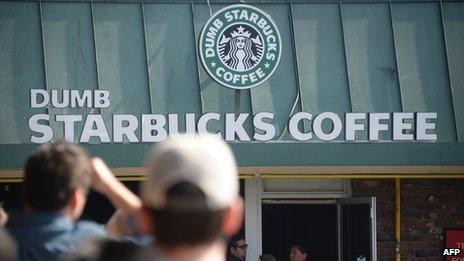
(191,200)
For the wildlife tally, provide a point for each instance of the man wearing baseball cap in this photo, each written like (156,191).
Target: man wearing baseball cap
(191,200)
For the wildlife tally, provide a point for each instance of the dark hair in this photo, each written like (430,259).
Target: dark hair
(176,226)
(303,246)
(233,242)
(52,172)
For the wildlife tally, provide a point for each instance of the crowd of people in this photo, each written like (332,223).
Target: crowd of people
(187,209)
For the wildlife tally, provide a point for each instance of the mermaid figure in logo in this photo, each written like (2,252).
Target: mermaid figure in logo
(240,53)
(240,56)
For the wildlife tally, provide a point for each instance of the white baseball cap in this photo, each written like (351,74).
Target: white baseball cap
(202,160)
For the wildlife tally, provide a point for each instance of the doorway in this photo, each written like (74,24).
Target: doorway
(320,211)
(341,229)
(314,225)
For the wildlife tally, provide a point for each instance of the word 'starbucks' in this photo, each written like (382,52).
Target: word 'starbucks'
(240,46)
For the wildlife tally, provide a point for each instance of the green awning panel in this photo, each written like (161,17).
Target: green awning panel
(422,63)
(69,55)
(21,68)
(336,56)
(453,18)
(321,59)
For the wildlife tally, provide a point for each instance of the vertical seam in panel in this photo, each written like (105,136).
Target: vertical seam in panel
(448,71)
(295,57)
(146,57)
(196,56)
(396,56)
(95,48)
(251,103)
(42,33)
(346,56)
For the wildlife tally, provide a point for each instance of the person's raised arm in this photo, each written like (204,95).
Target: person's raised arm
(125,202)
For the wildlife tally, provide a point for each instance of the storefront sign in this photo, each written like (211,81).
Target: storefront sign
(240,46)
(405,126)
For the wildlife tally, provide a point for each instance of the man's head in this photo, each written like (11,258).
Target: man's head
(57,177)
(238,247)
(299,251)
(192,192)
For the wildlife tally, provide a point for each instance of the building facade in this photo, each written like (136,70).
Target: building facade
(353,142)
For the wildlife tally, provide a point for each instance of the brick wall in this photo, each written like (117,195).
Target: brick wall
(384,191)
(427,208)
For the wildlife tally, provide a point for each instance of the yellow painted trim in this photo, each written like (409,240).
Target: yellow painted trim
(11,173)
(398,218)
(361,176)
(139,178)
(129,171)
(341,171)
(121,178)
(430,169)
(246,176)
(419,172)
(11,180)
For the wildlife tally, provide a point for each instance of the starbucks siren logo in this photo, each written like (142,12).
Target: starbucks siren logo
(240,46)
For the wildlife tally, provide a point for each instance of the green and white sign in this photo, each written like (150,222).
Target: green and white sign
(240,46)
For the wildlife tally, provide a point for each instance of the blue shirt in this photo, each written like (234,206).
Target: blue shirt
(46,236)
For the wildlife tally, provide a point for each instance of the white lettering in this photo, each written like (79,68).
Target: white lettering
(293,126)
(102,99)
(375,126)
(80,101)
(399,126)
(68,125)
(34,101)
(268,128)
(261,23)
(228,16)
(218,23)
(336,130)
(210,52)
(235,126)
(119,130)
(45,130)
(422,126)
(351,126)
(64,101)
(153,128)
(202,124)
(173,120)
(99,131)
(254,18)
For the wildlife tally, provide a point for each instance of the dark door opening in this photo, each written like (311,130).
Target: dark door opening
(283,224)
(356,229)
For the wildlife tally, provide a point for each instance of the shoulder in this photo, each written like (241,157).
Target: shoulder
(89,228)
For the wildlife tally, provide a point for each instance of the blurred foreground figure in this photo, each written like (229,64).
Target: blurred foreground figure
(57,177)
(110,249)
(7,246)
(191,199)
(3,215)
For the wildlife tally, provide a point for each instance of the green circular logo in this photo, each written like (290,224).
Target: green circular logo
(240,46)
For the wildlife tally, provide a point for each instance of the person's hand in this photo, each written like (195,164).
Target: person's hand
(104,182)
(102,177)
